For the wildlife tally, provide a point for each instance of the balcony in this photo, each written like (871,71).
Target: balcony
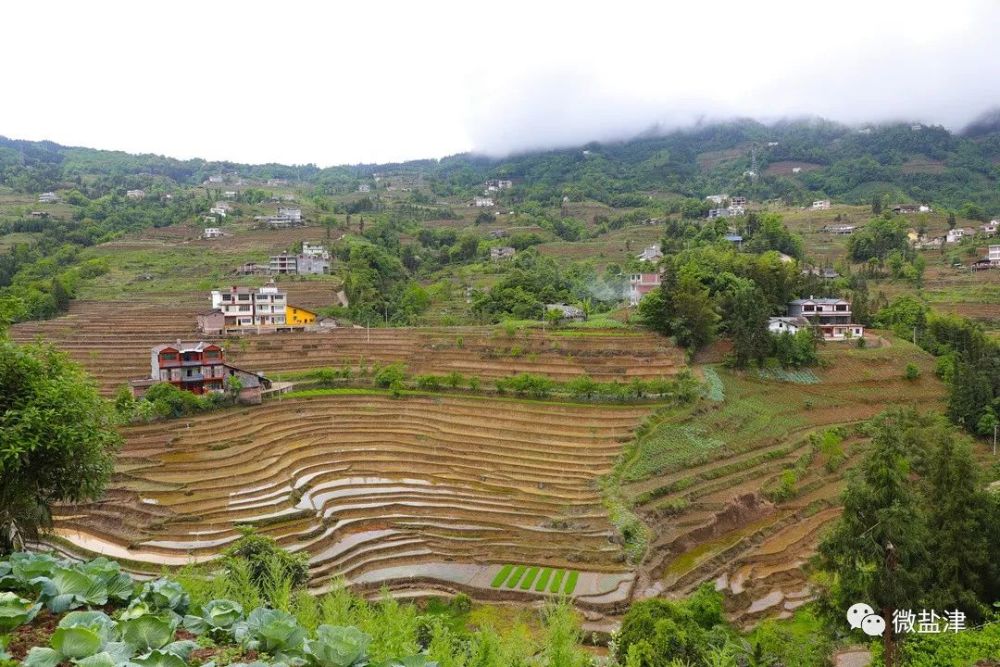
(193,377)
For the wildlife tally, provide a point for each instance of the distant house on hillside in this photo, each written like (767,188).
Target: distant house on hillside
(841,230)
(821,204)
(211,233)
(39,214)
(791,325)
(310,265)
(497,184)
(483,202)
(830,316)
(216,178)
(954,235)
(218,210)
(717,199)
(911,208)
(567,313)
(135,194)
(283,264)
(199,368)
(994,255)
(275,182)
(364,187)
(48,198)
(991,227)
(826,273)
(735,238)
(650,254)
(641,284)
(737,201)
(291,212)
(315,250)
(498,254)
(229,194)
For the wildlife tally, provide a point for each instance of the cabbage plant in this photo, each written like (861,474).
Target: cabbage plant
(337,646)
(87,638)
(217,618)
(67,588)
(163,594)
(271,631)
(15,611)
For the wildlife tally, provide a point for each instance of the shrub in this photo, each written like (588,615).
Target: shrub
(429,382)
(912,372)
(269,567)
(393,373)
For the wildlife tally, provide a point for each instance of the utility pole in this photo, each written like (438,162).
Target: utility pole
(995,427)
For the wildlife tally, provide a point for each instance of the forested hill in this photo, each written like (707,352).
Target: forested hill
(794,161)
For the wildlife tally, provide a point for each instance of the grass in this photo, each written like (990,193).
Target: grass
(715,392)
(556,581)
(800,376)
(543,579)
(501,576)
(571,583)
(529,578)
(515,576)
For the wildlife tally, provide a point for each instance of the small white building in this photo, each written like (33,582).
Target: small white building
(994,255)
(364,187)
(990,228)
(212,233)
(821,204)
(954,235)
(229,194)
(923,208)
(717,199)
(737,201)
(315,250)
(217,210)
(796,170)
(791,325)
(499,254)
(135,194)
(483,202)
(650,254)
(48,198)
(217,178)
(292,213)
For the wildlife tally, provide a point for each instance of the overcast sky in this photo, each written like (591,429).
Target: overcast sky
(333,82)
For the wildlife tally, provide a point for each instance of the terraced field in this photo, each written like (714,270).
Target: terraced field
(420,490)
(700,479)
(112,341)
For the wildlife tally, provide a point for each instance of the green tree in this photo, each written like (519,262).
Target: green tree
(877,550)
(57,438)
(747,312)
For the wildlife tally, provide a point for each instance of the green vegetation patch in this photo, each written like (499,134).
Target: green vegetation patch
(798,376)
(501,576)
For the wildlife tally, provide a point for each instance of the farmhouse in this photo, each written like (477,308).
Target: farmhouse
(651,254)
(298,264)
(566,313)
(291,212)
(216,178)
(821,204)
(283,263)
(641,284)
(911,208)
(199,368)
(497,184)
(483,202)
(791,325)
(217,210)
(299,316)
(212,233)
(826,273)
(735,238)
(737,201)
(830,317)
(229,194)
(315,250)
(135,194)
(250,310)
(498,254)
(990,228)
(954,235)
(364,187)
(841,230)
(717,199)
(48,198)
(994,255)
(39,214)
(252,269)
(725,212)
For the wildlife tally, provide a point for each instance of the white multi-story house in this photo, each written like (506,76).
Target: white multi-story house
(135,194)
(483,202)
(641,284)
(954,235)
(830,317)
(217,210)
(229,194)
(497,184)
(364,187)
(212,233)
(48,198)
(246,308)
(821,204)
(717,199)
(994,255)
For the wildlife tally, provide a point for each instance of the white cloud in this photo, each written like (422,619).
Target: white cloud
(330,83)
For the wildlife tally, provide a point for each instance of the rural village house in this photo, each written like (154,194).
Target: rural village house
(651,254)
(498,254)
(199,368)
(830,317)
(249,310)
(641,284)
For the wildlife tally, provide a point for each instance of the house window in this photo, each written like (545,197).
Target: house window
(168,356)
(211,354)
(245,308)
(244,297)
